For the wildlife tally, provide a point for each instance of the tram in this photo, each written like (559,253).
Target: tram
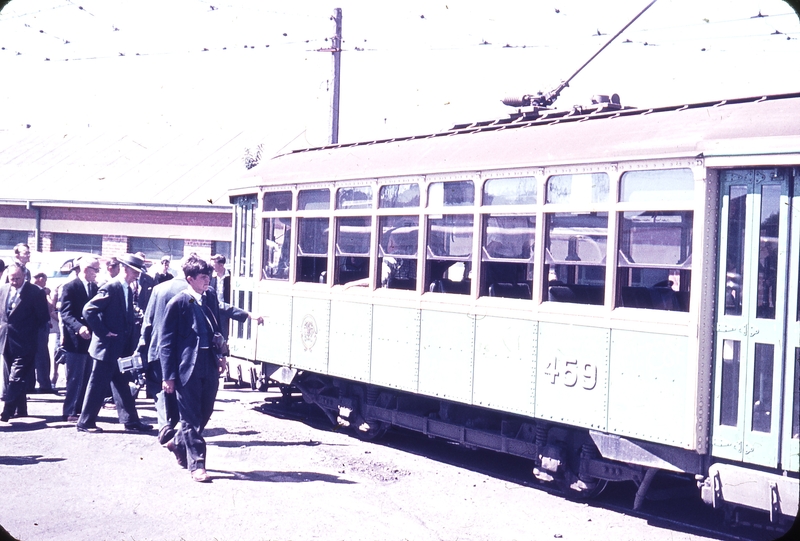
(611,292)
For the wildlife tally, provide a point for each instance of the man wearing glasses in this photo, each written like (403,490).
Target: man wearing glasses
(76,334)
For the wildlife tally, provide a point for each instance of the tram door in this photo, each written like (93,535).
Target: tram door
(751,314)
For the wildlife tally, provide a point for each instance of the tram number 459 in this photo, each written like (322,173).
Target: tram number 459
(571,372)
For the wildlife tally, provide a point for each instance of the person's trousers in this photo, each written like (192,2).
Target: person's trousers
(195,405)
(79,368)
(166,404)
(103,373)
(16,370)
(42,365)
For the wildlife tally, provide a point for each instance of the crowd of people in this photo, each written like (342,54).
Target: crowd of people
(177,326)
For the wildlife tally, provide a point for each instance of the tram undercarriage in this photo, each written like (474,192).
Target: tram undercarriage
(564,458)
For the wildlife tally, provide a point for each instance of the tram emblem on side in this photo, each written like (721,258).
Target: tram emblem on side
(308,332)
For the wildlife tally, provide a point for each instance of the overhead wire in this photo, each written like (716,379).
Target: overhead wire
(684,37)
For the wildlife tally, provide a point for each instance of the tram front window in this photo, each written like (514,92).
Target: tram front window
(575,256)
(397,252)
(277,239)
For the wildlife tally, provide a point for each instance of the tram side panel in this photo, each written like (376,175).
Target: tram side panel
(350,340)
(447,344)
(395,347)
(652,388)
(505,364)
(572,375)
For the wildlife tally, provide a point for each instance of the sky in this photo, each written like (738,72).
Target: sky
(407,67)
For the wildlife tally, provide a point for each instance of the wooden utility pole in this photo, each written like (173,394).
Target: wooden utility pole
(336,49)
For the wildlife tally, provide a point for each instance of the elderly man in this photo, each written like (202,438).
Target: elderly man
(23,312)
(74,296)
(111,318)
(42,361)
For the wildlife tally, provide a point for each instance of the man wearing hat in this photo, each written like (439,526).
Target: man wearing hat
(111,317)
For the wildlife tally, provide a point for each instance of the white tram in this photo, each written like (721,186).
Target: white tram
(608,291)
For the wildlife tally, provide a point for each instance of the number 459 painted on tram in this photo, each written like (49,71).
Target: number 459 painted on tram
(570,375)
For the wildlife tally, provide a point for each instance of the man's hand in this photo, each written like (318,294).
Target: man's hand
(84,332)
(222,364)
(257,319)
(168,385)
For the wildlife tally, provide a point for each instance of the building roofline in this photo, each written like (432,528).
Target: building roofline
(28,203)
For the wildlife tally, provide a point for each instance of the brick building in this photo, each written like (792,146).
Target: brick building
(158,192)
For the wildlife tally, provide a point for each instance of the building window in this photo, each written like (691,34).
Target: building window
(74,242)
(9,239)
(155,249)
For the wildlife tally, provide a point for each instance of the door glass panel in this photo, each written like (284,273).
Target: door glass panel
(734,270)
(768,252)
(762,388)
(729,399)
(796,403)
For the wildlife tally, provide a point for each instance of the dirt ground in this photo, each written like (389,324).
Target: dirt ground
(273,478)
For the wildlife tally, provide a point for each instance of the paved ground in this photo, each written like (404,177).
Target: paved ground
(273,478)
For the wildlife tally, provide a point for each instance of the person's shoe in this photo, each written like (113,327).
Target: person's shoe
(200,475)
(165,434)
(89,429)
(138,427)
(4,417)
(179,457)
(72,418)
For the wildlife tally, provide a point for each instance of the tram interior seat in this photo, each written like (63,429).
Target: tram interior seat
(402,283)
(576,293)
(449,286)
(521,290)
(655,298)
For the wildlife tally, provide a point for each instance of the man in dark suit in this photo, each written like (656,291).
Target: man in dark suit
(166,404)
(190,365)
(23,311)
(111,318)
(76,334)
(221,281)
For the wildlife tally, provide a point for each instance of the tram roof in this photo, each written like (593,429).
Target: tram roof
(757,125)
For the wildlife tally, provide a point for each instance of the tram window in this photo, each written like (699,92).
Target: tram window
(575,257)
(359,197)
(768,252)
(277,201)
(396,196)
(447,267)
(762,388)
(244,238)
(352,248)
(312,250)
(510,191)
(314,199)
(578,189)
(654,262)
(729,395)
(507,255)
(735,248)
(657,185)
(397,251)
(451,194)
(277,239)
